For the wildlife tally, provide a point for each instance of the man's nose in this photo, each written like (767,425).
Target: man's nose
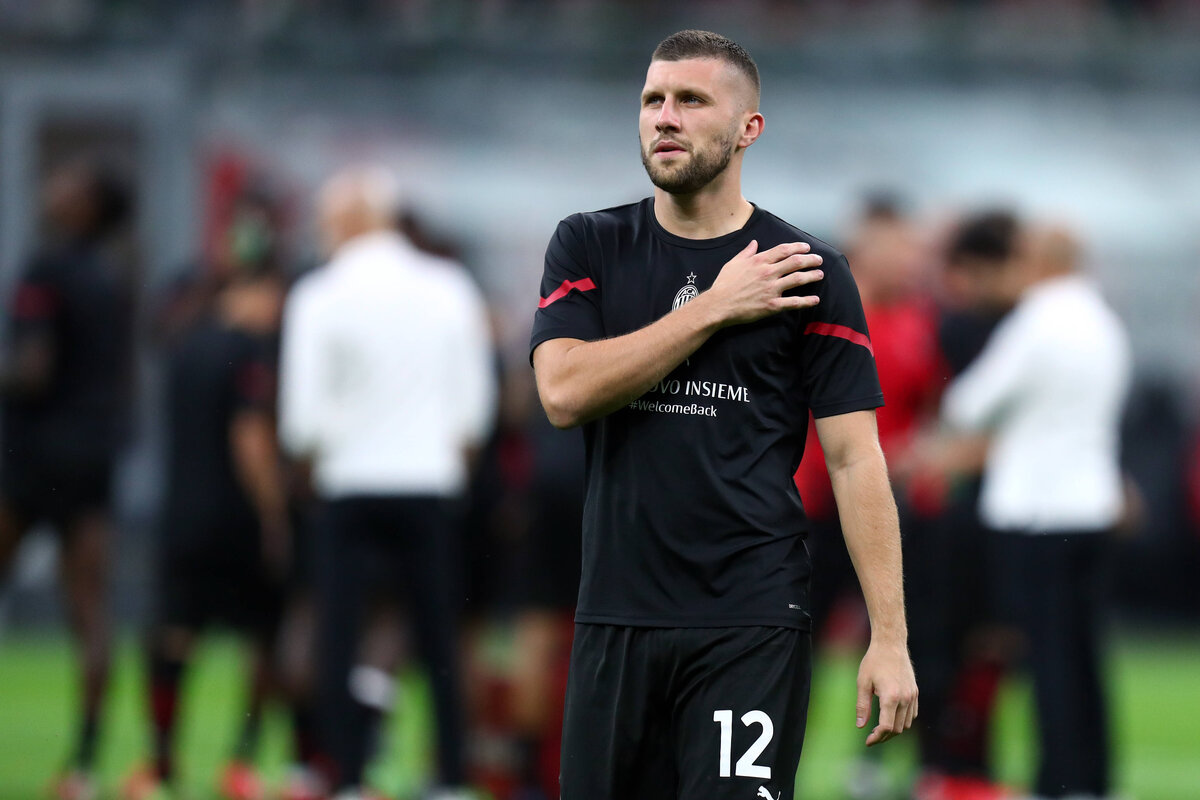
(668,118)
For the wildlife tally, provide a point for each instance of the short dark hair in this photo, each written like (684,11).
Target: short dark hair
(706,44)
(989,237)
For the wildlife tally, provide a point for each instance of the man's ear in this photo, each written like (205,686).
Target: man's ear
(752,128)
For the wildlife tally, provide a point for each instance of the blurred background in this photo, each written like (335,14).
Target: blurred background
(503,116)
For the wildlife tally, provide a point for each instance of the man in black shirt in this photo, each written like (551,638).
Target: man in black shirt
(225,531)
(676,331)
(65,392)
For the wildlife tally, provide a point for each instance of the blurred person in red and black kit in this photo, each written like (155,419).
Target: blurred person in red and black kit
(225,533)
(66,391)
(962,639)
(889,261)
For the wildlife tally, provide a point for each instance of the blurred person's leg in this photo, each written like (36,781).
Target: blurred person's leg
(433,580)
(12,530)
(935,629)
(256,612)
(546,563)
(345,555)
(184,580)
(381,651)
(239,778)
(986,644)
(18,513)
(84,569)
(962,647)
(170,648)
(1062,575)
(542,647)
(296,656)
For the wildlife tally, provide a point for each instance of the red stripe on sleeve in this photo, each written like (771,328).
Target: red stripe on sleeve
(564,288)
(841,332)
(34,302)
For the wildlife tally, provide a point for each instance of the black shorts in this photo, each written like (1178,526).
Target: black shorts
(55,493)
(685,713)
(219,580)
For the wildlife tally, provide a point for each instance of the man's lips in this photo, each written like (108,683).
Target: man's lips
(668,147)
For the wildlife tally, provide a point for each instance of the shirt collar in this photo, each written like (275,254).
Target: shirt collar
(362,249)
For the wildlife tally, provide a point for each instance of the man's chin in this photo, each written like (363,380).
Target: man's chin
(669,180)
(673,185)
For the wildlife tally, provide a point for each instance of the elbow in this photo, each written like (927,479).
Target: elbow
(562,412)
(563,422)
(563,394)
(846,462)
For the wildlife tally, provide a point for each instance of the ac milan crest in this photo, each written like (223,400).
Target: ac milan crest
(687,293)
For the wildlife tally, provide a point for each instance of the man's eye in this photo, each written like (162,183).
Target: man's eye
(691,99)
(652,100)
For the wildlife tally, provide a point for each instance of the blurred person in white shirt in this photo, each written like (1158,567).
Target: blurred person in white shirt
(1047,392)
(387,385)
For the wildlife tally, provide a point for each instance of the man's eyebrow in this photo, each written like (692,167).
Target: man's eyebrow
(683,91)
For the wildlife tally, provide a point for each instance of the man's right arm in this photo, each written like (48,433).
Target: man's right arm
(581,381)
(300,373)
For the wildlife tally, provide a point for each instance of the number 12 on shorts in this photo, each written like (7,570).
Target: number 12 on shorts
(745,767)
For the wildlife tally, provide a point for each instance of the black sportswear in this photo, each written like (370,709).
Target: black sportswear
(691,517)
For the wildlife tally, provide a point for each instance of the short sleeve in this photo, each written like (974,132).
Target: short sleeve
(254,380)
(569,301)
(837,359)
(36,305)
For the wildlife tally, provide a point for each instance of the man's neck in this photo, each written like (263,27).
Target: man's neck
(713,211)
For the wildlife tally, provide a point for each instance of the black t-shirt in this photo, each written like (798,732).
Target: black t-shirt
(214,372)
(74,298)
(962,336)
(691,517)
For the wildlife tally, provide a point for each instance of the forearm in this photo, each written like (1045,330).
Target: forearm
(587,380)
(872,531)
(258,469)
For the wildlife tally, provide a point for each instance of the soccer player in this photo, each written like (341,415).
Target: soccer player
(690,334)
(225,527)
(65,391)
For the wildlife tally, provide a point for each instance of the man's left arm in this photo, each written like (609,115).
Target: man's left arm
(29,370)
(871,528)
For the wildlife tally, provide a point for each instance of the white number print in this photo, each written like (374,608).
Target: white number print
(745,767)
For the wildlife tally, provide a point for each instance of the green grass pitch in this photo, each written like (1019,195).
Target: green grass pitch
(1156,697)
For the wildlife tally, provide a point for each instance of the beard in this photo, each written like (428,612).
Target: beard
(696,173)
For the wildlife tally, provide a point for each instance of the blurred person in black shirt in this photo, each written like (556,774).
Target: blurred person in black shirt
(65,398)
(962,643)
(225,528)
